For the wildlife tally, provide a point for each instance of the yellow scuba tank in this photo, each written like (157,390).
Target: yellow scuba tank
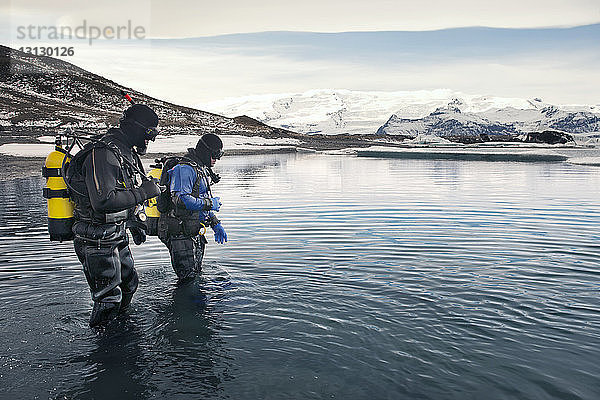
(152,212)
(60,207)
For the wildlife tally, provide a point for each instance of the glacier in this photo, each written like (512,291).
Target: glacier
(410,113)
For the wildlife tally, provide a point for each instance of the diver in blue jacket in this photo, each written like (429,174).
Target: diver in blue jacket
(192,207)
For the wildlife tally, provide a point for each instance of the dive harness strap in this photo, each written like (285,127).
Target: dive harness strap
(55,194)
(136,166)
(60,149)
(51,172)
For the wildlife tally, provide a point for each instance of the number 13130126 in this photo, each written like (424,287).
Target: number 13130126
(49,51)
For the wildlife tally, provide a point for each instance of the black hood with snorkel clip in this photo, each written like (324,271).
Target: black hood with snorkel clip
(135,123)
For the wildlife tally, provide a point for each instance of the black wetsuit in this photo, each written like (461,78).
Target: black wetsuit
(106,192)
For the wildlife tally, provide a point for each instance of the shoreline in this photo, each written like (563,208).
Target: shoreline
(26,167)
(15,166)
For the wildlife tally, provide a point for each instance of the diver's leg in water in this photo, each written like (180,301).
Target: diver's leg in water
(182,251)
(102,269)
(129,276)
(199,246)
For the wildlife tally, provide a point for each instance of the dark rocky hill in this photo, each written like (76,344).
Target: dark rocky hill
(40,94)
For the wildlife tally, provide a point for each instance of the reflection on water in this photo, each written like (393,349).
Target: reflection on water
(114,364)
(343,277)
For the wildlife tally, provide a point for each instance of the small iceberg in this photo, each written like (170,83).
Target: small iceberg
(516,155)
(591,161)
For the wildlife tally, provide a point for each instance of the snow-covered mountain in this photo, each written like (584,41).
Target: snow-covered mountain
(457,120)
(440,111)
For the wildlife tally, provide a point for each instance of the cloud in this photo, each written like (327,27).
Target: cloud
(191,18)
(191,75)
(559,65)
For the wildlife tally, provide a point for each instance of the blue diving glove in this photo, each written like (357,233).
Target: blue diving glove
(220,235)
(216,204)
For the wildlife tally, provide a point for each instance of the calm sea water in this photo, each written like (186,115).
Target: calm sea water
(343,278)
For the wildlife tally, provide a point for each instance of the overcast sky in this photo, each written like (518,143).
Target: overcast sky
(558,65)
(191,18)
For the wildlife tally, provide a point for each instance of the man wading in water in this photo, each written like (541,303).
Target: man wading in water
(188,205)
(106,189)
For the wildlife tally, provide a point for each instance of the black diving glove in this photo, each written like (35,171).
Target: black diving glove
(211,204)
(138,234)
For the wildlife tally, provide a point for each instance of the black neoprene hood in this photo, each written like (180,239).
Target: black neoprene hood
(136,120)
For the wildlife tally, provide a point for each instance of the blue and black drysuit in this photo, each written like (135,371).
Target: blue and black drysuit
(193,207)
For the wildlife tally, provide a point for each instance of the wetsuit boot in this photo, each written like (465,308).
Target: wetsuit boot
(103,313)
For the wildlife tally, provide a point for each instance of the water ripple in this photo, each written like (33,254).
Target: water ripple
(343,277)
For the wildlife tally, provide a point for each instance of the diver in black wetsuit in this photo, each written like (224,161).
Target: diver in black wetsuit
(105,179)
